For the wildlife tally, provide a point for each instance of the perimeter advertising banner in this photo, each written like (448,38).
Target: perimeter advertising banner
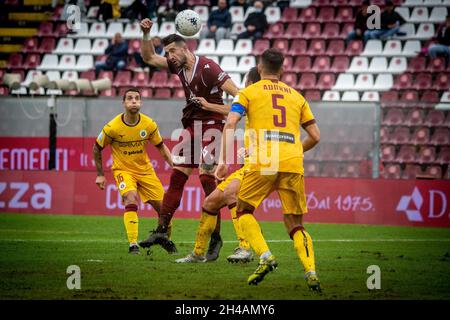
(362,201)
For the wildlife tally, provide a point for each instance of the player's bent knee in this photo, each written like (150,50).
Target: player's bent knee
(130,198)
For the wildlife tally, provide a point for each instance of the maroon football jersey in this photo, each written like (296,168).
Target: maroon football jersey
(207,78)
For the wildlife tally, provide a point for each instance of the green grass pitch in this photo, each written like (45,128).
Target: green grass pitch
(37,249)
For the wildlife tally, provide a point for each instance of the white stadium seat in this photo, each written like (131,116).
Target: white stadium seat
(403,11)
(70,75)
(97,30)
(412,3)
(82,46)
(92,12)
(432,3)
(82,32)
(225,47)
(409,29)
(392,48)
(378,65)
(397,65)
(202,12)
(236,77)
(67,62)
(113,28)
(383,82)
(49,62)
(438,14)
(206,47)
(243,47)
(419,14)
(345,81)
(300,3)
(350,96)
(373,48)
(229,64)
(411,48)
(85,62)
(99,46)
(273,14)
(445,98)
(359,65)
(425,31)
(331,96)
(133,30)
(370,96)
(364,82)
(30,76)
(237,28)
(237,14)
(65,45)
(166,28)
(245,64)
(53,75)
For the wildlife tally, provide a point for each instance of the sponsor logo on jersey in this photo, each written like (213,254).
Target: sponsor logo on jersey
(206,66)
(143,133)
(122,185)
(279,136)
(131,144)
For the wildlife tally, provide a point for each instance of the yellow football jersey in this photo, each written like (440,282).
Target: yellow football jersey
(128,143)
(274,112)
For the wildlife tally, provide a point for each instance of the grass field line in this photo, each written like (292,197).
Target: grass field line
(226,241)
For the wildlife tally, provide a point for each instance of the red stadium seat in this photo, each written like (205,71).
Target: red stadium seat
(179,94)
(275,31)
(312,30)
(122,79)
(389,98)
(330,170)
(308,14)
(326,81)
(4,91)
(392,171)
(316,47)
(422,81)
(326,14)
(433,172)
(385,136)
(321,64)
(441,137)
(192,44)
(321,3)
(134,45)
(307,81)
(159,80)
(406,154)
(312,95)
(260,46)
(409,97)
(30,45)
(288,63)
(298,47)
(402,81)
(293,31)
(340,64)
(427,154)
(434,118)
(393,117)
(330,31)
(312,169)
(326,151)
(431,97)
(421,136)
(140,79)
(61,30)
(417,64)
(344,14)
(108,93)
(174,82)
(411,171)
(400,135)
(414,117)
(106,74)
(443,156)
(45,29)
(335,48)
(47,45)
(14,61)
(146,92)
(290,78)
(442,81)
(354,48)
(344,153)
(289,15)
(350,170)
(162,93)
(32,61)
(90,75)
(436,64)
(282,45)
(302,64)
(447,120)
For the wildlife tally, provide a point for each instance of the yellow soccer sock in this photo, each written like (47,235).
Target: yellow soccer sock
(252,233)
(131,221)
(304,247)
(206,227)
(237,228)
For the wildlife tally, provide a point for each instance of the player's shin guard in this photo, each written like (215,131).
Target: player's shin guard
(252,232)
(207,224)
(304,247)
(237,228)
(131,221)
(172,197)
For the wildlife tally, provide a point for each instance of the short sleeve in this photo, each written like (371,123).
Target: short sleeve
(105,136)
(307,116)
(155,136)
(215,75)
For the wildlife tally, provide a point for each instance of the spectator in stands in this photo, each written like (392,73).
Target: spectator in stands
(171,9)
(139,10)
(219,23)
(159,49)
(117,53)
(256,23)
(390,24)
(240,3)
(109,9)
(442,47)
(360,22)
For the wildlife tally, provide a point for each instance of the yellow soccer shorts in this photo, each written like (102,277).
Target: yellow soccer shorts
(148,186)
(255,187)
(238,174)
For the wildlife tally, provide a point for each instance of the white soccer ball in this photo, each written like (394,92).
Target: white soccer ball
(188,22)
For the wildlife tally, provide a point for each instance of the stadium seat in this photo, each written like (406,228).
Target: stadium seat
(302,64)
(273,14)
(406,154)
(245,64)
(237,28)
(108,93)
(373,48)
(122,79)
(425,31)
(166,28)
(330,31)
(354,48)
(308,15)
(113,28)
(237,14)
(174,82)
(340,64)
(378,65)
(385,135)
(293,31)
(298,47)
(229,63)
(312,95)
(430,98)
(65,46)
(316,47)
(442,81)
(85,62)
(335,47)
(330,170)
(411,171)
(419,14)
(307,81)
(97,30)
(411,48)
(434,118)
(393,117)
(45,29)
(443,156)
(290,78)
(206,47)
(162,93)
(312,169)
(140,79)
(409,30)
(243,47)
(344,14)
(400,135)
(133,30)
(403,11)
(326,14)
(345,81)
(225,47)
(389,99)
(90,75)
(49,62)
(82,46)
(422,81)
(408,98)
(350,96)
(159,80)
(331,96)
(321,64)
(260,46)
(421,136)
(359,65)
(427,154)
(350,170)
(403,81)
(289,15)
(312,30)
(106,74)
(179,94)
(300,3)
(364,82)
(441,137)
(30,45)
(288,63)
(412,3)
(47,45)
(99,46)
(345,153)
(62,30)
(417,64)
(414,118)
(281,45)
(433,172)
(202,12)
(346,28)
(275,31)
(14,61)
(438,14)
(370,96)
(436,65)
(326,151)
(392,48)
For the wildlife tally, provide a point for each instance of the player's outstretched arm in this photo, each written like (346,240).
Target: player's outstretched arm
(100,180)
(230,87)
(219,108)
(313,137)
(165,153)
(148,50)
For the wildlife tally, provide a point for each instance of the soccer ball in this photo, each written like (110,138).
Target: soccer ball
(188,22)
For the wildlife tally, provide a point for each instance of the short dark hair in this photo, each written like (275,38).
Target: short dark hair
(253,75)
(173,38)
(130,90)
(388,3)
(366,3)
(272,60)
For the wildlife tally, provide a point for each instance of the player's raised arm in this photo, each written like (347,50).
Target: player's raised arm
(148,50)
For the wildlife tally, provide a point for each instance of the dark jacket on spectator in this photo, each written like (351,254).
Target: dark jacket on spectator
(257,19)
(361,21)
(443,36)
(390,18)
(220,18)
(116,52)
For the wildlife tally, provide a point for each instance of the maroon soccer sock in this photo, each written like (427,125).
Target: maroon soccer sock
(172,197)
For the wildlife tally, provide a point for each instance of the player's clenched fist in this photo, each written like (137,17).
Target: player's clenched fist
(100,181)
(146,25)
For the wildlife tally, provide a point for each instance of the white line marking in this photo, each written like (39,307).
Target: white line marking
(91,260)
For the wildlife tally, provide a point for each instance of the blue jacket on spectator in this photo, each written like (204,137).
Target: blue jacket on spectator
(220,19)
(116,52)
